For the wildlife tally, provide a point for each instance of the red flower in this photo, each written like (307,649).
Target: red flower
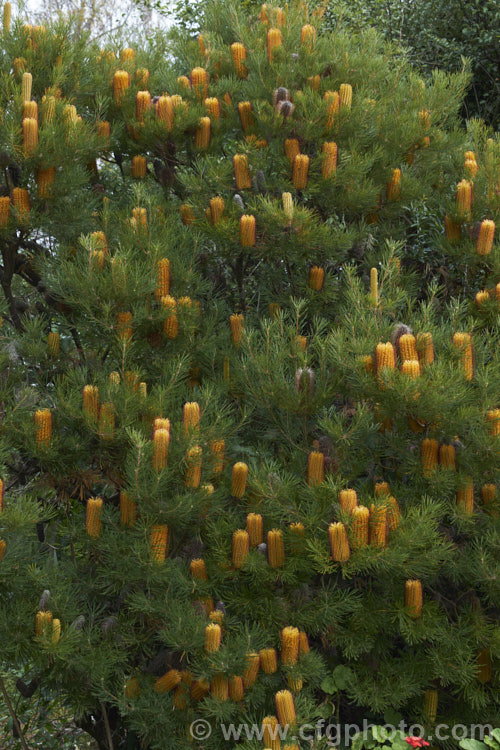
(416,742)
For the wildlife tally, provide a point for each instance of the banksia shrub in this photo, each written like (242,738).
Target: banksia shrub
(107,421)
(237,324)
(241,546)
(394,186)
(348,500)
(43,427)
(329,158)
(485,237)
(247,231)
(300,171)
(275,548)
(252,670)
(429,453)
(198,569)
(121,82)
(128,509)
(213,636)
(239,479)
(360,527)
(345,95)
(93,517)
(463,342)
(242,172)
(239,54)
(217,449)
(268,660)
(378,525)
(285,708)
(161,442)
(193,467)
(255,529)
(464,199)
(158,540)
(274,42)
(316,278)
(290,644)
(139,167)
(430,705)
(202,134)
(413,598)
(465,498)
(168,681)
(315,468)
(339,543)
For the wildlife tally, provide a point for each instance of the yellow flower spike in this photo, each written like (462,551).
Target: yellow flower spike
(275,548)
(345,95)
(124,326)
(241,546)
(255,526)
(43,623)
(238,55)
(374,286)
(161,442)
(316,278)
(170,324)
(213,107)
(184,82)
(287,201)
(488,496)
(431,705)
(378,525)
(315,468)
(246,116)
(193,467)
(360,527)
(303,643)
(471,167)
(121,82)
(187,214)
(4,211)
(447,457)
(493,421)
(201,45)
(270,733)
(348,500)
(236,689)
(394,186)
(393,513)
(481,298)
(213,636)
(191,415)
(413,598)
(425,348)
(308,36)
(237,324)
(463,342)
(285,708)
(247,231)
(53,343)
(158,540)
(162,278)
(290,642)
(217,449)
(198,569)
(45,181)
(202,134)
(465,498)
(132,688)
(332,99)
(339,543)
(429,455)
(127,54)
(216,209)
(21,202)
(90,395)
(43,427)
(464,199)
(292,149)
(139,167)
(142,77)
(168,681)
(142,104)
(219,688)
(385,356)
(56,631)
(128,509)
(239,479)
(485,237)
(274,42)
(7,17)
(252,670)
(216,616)
(26,85)
(300,171)
(164,111)
(199,82)
(199,689)
(30,135)
(268,660)
(411,368)
(242,172)
(407,347)
(329,159)
(107,421)
(30,110)
(93,517)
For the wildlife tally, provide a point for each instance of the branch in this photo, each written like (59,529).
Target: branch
(14,717)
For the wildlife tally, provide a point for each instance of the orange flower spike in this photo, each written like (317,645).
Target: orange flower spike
(239,54)
(158,542)
(339,543)
(239,479)
(274,42)
(485,237)
(329,159)
(93,517)
(315,468)
(43,427)
(413,598)
(193,467)
(241,546)
(300,171)
(290,645)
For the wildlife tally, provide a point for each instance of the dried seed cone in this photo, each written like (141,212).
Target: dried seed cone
(193,467)
(345,95)
(121,82)
(170,324)
(275,548)
(26,87)
(107,421)
(270,734)
(430,705)
(300,171)
(161,442)
(128,509)
(236,689)
(93,517)
(268,660)
(360,525)
(394,186)
(247,231)
(4,211)
(238,55)
(242,172)
(198,569)
(483,661)
(216,209)
(213,636)
(246,116)
(463,342)
(158,540)
(315,468)
(485,237)
(202,134)
(162,278)
(316,278)
(43,427)
(290,643)
(199,82)
(274,42)
(329,159)
(464,199)
(348,500)
(217,449)
(237,324)
(413,598)
(425,348)
(254,528)
(429,454)
(191,416)
(30,135)
(447,457)
(252,670)
(139,167)
(339,543)
(285,708)
(452,230)
(239,479)
(465,498)
(241,546)
(53,343)
(164,111)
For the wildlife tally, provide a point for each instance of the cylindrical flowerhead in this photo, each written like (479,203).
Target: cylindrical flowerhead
(127,54)
(142,77)
(161,442)
(488,495)
(274,42)
(198,569)
(385,356)
(287,205)
(275,548)
(471,167)
(4,211)
(382,488)
(121,82)
(219,688)
(300,171)
(239,54)
(237,324)
(21,202)
(339,543)
(378,525)
(191,416)
(463,342)
(270,733)
(447,457)
(493,421)
(164,111)
(45,181)
(481,298)
(43,427)
(301,343)
(345,95)
(128,509)
(56,631)
(162,278)
(285,708)
(30,109)
(308,36)
(216,209)
(132,688)
(202,134)
(199,82)
(236,689)
(268,660)
(484,238)
(329,159)
(30,135)
(407,347)
(483,661)
(394,186)
(53,343)
(168,681)
(93,515)
(193,467)
(303,643)
(247,231)
(213,636)
(217,449)
(348,500)
(139,167)
(292,149)
(360,527)
(158,540)
(314,82)
(187,214)
(252,670)
(170,324)
(413,598)
(142,104)
(242,172)
(411,368)
(425,348)
(7,17)
(26,85)
(315,468)
(464,199)
(452,230)
(465,498)
(255,529)
(107,421)
(2,495)
(429,454)
(393,513)
(124,326)
(241,546)
(246,116)
(43,623)
(374,286)
(3,547)
(290,642)
(239,479)
(430,705)
(316,278)
(199,689)
(332,99)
